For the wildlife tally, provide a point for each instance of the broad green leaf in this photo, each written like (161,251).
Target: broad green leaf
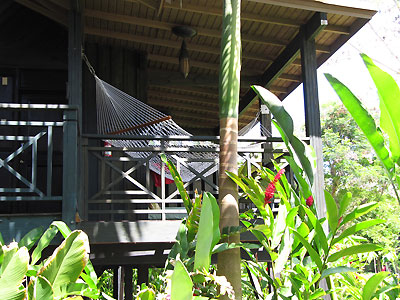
(364,121)
(251,194)
(13,272)
(320,234)
(317,294)
(332,211)
(40,289)
(313,254)
(147,294)
(279,227)
(216,235)
(181,284)
(353,250)
(304,186)
(357,227)
(372,284)
(303,230)
(193,218)
(44,241)
(62,227)
(359,211)
(30,238)
(389,96)
(225,246)
(336,270)
(1,240)
(67,262)
(205,237)
(344,203)
(178,182)
(285,122)
(284,252)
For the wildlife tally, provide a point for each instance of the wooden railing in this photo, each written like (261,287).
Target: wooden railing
(120,187)
(36,142)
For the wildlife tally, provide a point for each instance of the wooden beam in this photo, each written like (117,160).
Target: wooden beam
(56,17)
(317,22)
(340,7)
(168,26)
(166,78)
(180,97)
(211,93)
(167,43)
(183,107)
(154,4)
(216,11)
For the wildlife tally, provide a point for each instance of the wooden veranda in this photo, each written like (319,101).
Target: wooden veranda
(52,163)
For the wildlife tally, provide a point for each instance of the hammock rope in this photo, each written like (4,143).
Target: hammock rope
(121,114)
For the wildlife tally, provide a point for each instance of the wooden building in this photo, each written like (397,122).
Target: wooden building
(52,161)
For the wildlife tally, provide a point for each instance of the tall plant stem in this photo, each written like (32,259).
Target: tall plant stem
(229,84)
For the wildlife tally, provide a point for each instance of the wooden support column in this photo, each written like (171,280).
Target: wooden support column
(311,105)
(143,274)
(128,285)
(72,152)
(75,29)
(265,121)
(70,170)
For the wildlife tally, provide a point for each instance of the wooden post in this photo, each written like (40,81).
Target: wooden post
(70,170)
(72,192)
(143,274)
(265,121)
(312,114)
(311,105)
(128,285)
(118,283)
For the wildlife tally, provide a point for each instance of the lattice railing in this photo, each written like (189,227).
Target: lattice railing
(120,187)
(32,152)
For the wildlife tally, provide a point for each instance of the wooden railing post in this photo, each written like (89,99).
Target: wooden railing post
(70,167)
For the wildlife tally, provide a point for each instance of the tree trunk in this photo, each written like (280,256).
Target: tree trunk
(229,84)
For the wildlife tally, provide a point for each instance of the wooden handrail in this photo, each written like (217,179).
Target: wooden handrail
(141,125)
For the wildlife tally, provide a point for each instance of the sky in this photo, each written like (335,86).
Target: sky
(380,40)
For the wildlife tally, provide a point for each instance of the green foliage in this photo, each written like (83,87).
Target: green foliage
(389,96)
(302,253)
(59,276)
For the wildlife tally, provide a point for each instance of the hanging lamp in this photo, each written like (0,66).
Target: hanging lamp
(184,31)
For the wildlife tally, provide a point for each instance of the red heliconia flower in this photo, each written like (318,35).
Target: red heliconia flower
(340,220)
(270,190)
(310,201)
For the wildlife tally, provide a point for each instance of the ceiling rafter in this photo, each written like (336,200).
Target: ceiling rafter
(167,43)
(314,25)
(200,31)
(168,26)
(56,17)
(215,11)
(180,97)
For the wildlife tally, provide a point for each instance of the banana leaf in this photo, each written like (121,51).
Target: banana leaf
(181,284)
(285,123)
(30,238)
(14,267)
(389,97)
(205,237)
(364,121)
(67,261)
(40,289)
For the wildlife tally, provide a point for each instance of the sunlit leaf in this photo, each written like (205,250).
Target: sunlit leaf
(353,250)
(181,284)
(372,284)
(364,121)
